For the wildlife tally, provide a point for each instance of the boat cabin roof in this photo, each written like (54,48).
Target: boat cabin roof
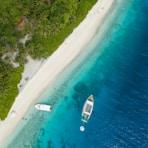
(88,108)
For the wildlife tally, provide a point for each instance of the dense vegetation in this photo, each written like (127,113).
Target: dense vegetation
(48,22)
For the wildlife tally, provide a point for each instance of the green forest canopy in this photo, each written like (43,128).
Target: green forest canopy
(49,22)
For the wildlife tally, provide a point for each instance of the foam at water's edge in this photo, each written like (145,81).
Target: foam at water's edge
(115,71)
(35,93)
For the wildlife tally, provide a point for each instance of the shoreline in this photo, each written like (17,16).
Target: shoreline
(59,60)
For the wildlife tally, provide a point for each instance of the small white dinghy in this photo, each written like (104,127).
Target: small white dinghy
(43,107)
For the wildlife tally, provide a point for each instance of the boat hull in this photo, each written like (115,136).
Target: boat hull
(43,107)
(87,109)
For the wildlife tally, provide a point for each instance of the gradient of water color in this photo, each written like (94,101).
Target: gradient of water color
(115,70)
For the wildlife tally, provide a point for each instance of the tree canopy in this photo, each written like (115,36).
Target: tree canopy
(48,22)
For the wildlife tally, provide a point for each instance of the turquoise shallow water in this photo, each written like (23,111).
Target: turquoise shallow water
(115,70)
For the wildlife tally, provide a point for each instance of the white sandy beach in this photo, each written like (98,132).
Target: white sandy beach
(66,52)
(30,69)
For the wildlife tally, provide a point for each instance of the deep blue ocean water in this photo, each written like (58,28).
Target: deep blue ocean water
(115,71)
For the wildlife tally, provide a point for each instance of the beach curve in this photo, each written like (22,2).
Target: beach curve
(61,58)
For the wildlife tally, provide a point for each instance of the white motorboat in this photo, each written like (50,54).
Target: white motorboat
(87,109)
(43,107)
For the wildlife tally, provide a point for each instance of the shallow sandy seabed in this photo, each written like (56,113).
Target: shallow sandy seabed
(66,52)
